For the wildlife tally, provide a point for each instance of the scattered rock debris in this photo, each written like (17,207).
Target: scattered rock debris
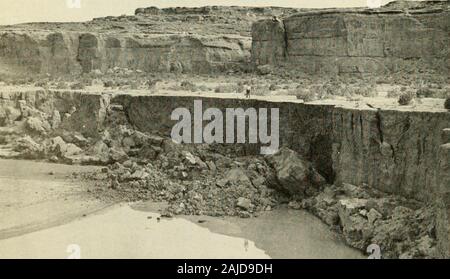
(401,227)
(215,181)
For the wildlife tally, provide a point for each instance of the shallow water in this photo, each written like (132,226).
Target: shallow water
(126,233)
(281,233)
(123,232)
(135,232)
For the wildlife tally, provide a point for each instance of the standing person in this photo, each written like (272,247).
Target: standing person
(247,91)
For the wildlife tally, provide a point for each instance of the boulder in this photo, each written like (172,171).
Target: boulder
(139,175)
(12,114)
(211,166)
(37,125)
(80,140)
(348,208)
(142,138)
(426,246)
(28,147)
(75,138)
(354,191)
(234,176)
(117,155)
(72,149)
(189,157)
(128,143)
(244,203)
(294,174)
(295,205)
(63,149)
(373,215)
(100,150)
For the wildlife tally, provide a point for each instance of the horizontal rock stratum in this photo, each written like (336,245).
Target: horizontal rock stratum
(188,40)
(401,36)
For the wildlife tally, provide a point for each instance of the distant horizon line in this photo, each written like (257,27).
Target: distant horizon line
(193,7)
(89,13)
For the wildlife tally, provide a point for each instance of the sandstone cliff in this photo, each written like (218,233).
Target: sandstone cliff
(190,40)
(401,36)
(75,52)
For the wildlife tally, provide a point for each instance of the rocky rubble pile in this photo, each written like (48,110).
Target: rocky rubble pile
(44,137)
(193,179)
(401,227)
(197,180)
(194,183)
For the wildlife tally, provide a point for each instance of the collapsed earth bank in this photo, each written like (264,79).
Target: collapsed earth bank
(371,174)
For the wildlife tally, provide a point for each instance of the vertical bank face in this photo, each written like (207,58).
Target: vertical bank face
(238,126)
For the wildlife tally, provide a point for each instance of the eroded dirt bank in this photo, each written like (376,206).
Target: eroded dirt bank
(337,162)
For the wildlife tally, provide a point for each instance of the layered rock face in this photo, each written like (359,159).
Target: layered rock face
(401,36)
(83,52)
(269,42)
(392,151)
(189,40)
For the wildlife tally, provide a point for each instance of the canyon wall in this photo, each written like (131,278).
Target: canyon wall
(187,40)
(399,37)
(73,52)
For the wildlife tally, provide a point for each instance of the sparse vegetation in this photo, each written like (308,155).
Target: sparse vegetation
(151,83)
(187,85)
(77,86)
(42,83)
(425,93)
(304,94)
(394,92)
(108,83)
(229,88)
(62,85)
(368,90)
(405,99)
(273,87)
(260,90)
